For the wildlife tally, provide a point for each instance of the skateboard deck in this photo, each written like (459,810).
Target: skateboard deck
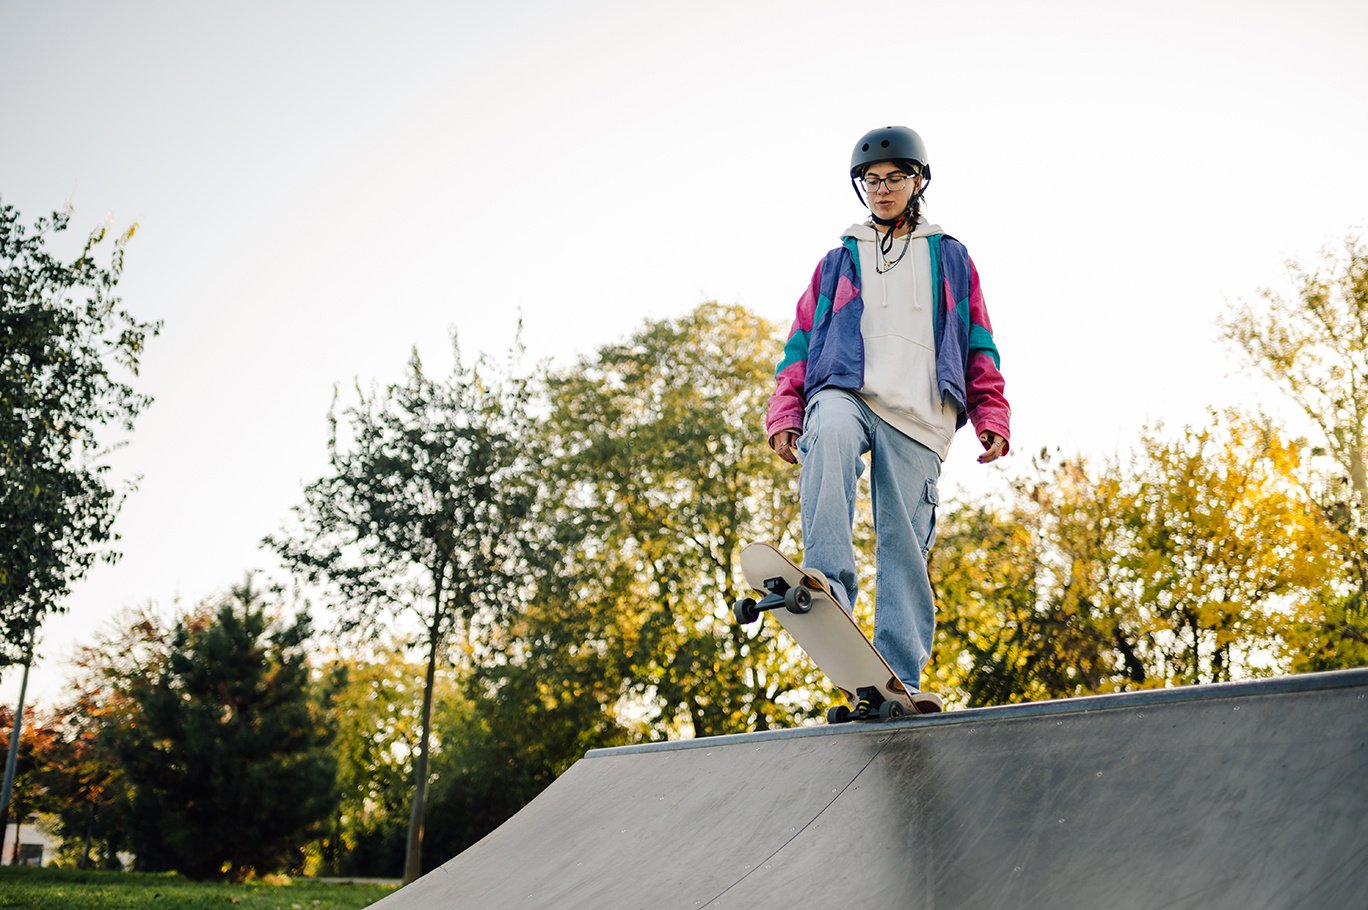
(804,605)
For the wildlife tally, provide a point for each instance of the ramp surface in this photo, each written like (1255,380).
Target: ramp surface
(1243,796)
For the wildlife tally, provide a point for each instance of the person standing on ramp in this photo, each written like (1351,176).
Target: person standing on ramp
(890,353)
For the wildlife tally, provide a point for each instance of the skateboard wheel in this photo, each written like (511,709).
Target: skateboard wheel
(745,611)
(798,600)
(838,714)
(890,709)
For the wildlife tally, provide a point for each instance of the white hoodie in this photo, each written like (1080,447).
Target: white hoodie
(899,340)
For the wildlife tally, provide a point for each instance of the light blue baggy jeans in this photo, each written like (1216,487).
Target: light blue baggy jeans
(838,429)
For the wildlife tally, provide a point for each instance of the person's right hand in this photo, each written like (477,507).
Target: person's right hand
(783,445)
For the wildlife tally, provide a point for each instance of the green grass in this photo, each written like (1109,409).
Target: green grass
(66,889)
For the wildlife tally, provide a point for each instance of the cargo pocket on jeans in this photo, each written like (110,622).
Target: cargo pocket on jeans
(930,500)
(800,445)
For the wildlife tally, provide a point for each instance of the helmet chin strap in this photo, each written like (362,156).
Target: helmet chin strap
(908,216)
(893,222)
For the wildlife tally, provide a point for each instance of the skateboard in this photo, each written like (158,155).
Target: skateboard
(803,603)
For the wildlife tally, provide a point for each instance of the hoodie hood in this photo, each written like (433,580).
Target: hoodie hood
(865,231)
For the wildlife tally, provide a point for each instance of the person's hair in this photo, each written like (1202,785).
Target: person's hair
(906,165)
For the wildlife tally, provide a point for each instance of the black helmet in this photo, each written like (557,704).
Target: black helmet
(889,143)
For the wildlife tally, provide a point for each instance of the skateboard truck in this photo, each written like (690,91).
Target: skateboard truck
(794,598)
(869,705)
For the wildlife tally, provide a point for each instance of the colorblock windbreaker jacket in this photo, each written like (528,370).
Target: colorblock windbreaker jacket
(825,347)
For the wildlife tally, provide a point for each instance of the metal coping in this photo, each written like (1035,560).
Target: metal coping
(1085,704)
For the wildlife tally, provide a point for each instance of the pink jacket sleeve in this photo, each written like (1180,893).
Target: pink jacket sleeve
(985,388)
(786,404)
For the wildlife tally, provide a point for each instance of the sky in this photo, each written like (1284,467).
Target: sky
(321,187)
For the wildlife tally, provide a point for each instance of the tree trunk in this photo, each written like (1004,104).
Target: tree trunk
(1135,670)
(85,845)
(11,760)
(1358,471)
(334,861)
(413,852)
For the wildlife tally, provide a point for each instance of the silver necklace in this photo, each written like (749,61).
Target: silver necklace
(887,263)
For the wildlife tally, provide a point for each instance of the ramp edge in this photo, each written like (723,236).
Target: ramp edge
(1083,704)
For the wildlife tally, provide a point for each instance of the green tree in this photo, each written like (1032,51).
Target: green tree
(375,701)
(1313,348)
(421,515)
(229,756)
(663,474)
(64,341)
(653,474)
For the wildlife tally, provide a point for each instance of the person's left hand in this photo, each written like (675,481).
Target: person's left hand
(994,444)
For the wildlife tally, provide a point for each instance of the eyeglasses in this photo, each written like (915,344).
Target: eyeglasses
(894,182)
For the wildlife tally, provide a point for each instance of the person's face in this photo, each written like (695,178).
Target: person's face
(885,202)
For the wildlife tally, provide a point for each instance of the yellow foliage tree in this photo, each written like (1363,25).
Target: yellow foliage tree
(1225,551)
(1199,558)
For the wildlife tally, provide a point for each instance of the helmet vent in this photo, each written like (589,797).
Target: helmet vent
(889,143)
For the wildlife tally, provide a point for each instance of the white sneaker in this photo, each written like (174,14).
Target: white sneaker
(926,702)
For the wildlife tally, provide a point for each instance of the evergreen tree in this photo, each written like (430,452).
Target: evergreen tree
(229,759)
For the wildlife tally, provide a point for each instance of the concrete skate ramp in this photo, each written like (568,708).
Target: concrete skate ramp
(1244,796)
